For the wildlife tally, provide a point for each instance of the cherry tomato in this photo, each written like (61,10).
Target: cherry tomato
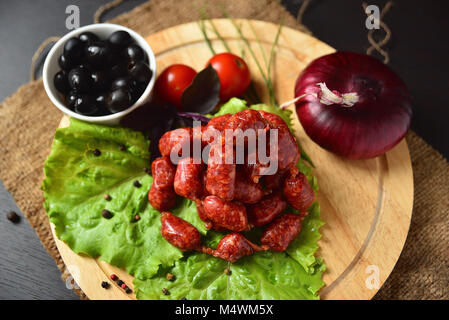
(172,82)
(233,73)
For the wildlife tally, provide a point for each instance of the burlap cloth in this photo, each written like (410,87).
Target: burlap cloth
(28,121)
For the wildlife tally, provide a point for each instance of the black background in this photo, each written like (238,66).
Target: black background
(419,52)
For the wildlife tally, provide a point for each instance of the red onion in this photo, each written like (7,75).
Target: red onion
(352,104)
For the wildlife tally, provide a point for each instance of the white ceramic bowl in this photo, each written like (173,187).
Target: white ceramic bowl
(102,30)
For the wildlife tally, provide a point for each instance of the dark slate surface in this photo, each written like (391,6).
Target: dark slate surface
(419,50)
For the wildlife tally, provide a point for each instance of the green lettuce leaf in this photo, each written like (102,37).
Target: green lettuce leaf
(234,105)
(74,187)
(265,275)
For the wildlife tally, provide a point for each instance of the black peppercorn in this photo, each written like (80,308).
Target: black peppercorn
(137,184)
(128,290)
(106,214)
(105,284)
(107,197)
(13,217)
(165,291)
(183,298)
(120,282)
(97,152)
(227,271)
(122,148)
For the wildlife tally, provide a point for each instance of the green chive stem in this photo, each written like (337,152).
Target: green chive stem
(259,42)
(206,38)
(276,40)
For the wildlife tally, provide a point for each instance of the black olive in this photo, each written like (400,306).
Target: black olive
(141,72)
(85,105)
(100,101)
(74,50)
(98,54)
(120,39)
(71,98)
(137,91)
(88,37)
(64,63)
(134,52)
(123,82)
(99,80)
(61,82)
(79,79)
(83,66)
(121,70)
(118,100)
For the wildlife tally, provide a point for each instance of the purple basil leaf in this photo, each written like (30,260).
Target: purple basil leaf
(203,94)
(194,117)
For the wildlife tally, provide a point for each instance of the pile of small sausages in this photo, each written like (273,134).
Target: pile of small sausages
(228,196)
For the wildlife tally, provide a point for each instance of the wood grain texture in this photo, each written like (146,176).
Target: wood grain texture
(366,204)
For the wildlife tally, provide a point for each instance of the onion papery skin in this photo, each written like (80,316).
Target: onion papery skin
(373,125)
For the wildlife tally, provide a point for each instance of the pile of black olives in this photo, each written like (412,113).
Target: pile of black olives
(100,77)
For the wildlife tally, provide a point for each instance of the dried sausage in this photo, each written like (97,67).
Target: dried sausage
(233,247)
(281,232)
(246,119)
(179,232)
(221,193)
(207,223)
(178,138)
(275,181)
(162,199)
(220,179)
(298,192)
(288,151)
(247,191)
(226,214)
(266,210)
(273,119)
(204,192)
(200,211)
(162,195)
(216,123)
(188,181)
(163,172)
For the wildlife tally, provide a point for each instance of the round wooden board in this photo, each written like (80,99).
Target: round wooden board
(366,204)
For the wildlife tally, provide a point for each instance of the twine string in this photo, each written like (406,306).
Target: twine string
(300,15)
(106,7)
(378,45)
(37,54)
